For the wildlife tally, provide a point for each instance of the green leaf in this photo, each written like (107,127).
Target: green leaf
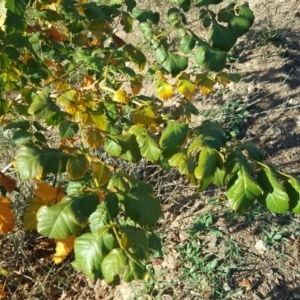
(124,146)
(24,125)
(274,197)
(74,187)
(292,187)
(3,107)
(172,138)
(242,190)
(127,22)
(185,166)
(149,148)
(99,218)
(160,54)
(136,240)
(253,151)
(21,137)
(222,37)
(187,43)
(141,207)
(67,129)
(134,270)
(175,63)
(42,106)
(240,25)
(67,217)
(246,12)
(118,183)
(113,264)
(93,11)
(77,166)
(143,15)
(207,2)
(210,58)
(28,162)
(90,249)
(209,161)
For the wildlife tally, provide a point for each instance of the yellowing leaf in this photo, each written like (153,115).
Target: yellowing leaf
(121,96)
(2,293)
(136,85)
(54,34)
(7,221)
(68,100)
(186,88)
(98,119)
(101,174)
(94,138)
(205,82)
(49,193)
(46,195)
(164,89)
(77,166)
(144,115)
(8,182)
(88,80)
(223,78)
(63,248)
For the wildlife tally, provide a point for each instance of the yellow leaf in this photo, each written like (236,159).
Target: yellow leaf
(2,293)
(7,221)
(101,174)
(205,82)
(94,138)
(121,96)
(46,195)
(223,78)
(98,120)
(63,248)
(143,115)
(8,182)
(186,88)
(164,89)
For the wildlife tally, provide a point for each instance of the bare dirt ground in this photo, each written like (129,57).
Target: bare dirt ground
(209,253)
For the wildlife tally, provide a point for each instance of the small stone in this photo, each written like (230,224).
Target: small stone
(276,130)
(297,121)
(260,246)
